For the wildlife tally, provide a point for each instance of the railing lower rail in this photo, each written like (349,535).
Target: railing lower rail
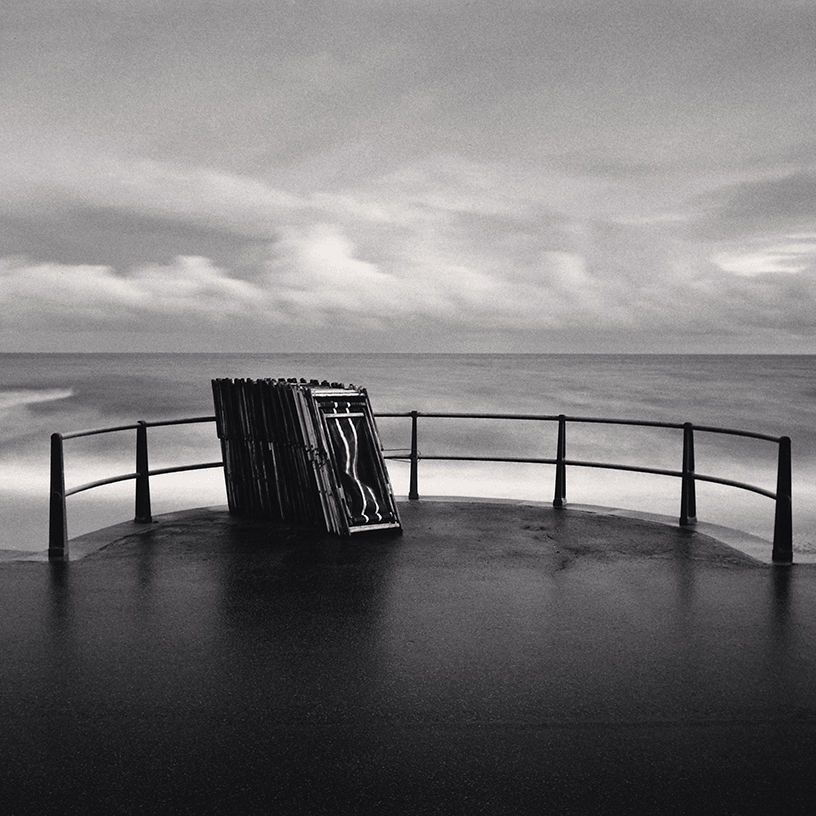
(783,522)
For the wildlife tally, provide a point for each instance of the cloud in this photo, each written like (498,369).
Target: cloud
(796,253)
(315,278)
(314,271)
(443,248)
(82,297)
(764,207)
(146,187)
(125,213)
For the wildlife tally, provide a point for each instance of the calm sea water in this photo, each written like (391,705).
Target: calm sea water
(43,393)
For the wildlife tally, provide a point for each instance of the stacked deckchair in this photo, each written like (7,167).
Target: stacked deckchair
(303,452)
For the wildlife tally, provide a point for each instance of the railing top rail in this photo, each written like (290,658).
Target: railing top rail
(678,425)
(540,417)
(466,415)
(644,423)
(96,431)
(186,421)
(135,425)
(734,432)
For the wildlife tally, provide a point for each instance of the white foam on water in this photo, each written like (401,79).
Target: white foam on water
(25,508)
(16,397)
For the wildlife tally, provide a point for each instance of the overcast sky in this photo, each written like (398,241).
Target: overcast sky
(408,175)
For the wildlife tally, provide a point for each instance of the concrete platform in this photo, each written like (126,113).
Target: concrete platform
(493,659)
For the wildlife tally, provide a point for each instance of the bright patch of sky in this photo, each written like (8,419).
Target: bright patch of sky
(381,175)
(794,255)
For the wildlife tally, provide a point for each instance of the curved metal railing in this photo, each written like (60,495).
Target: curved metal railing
(58,518)
(783,526)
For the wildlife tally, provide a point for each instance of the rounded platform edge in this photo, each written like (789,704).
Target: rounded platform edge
(754,547)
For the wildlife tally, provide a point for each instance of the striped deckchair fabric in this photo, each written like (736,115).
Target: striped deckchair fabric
(303,452)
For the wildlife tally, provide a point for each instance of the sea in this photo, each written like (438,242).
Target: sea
(41,394)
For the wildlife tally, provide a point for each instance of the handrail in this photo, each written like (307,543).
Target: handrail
(645,423)
(96,431)
(783,527)
(783,522)
(58,527)
(188,421)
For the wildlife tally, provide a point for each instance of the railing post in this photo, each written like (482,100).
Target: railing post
(143,514)
(783,519)
(57,522)
(560,466)
(688,488)
(413,491)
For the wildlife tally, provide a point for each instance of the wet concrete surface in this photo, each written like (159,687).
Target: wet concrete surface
(495,659)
